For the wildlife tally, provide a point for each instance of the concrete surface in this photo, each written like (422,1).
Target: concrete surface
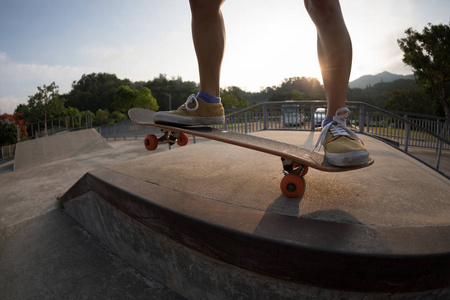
(54,258)
(27,192)
(57,147)
(373,196)
(44,254)
(396,191)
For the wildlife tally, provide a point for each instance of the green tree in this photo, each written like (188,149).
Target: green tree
(43,97)
(233,97)
(57,107)
(178,89)
(229,100)
(144,99)
(412,99)
(296,95)
(428,53)
(95,91)
(102,117)
(124,98)
(127,98)
(10,127)
(8,134)
(117,117)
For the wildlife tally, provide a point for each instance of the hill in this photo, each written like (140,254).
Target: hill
(370,80)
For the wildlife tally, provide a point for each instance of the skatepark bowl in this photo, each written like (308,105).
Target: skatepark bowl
(208,221)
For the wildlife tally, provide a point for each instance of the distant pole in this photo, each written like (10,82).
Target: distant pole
(18,133)
(170,100)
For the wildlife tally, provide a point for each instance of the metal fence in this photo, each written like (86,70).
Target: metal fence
(7,151)
(54,126)
(427,133)
(57,125)
(125,130)
(409,133)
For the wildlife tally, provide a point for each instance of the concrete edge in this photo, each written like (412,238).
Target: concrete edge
(332,255)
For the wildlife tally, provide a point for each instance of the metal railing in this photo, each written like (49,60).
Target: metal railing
(409,135)
(58,125)
(54,126)
(7,151)
(125,129)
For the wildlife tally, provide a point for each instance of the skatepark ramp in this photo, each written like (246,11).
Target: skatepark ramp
(209,222)
(57,147)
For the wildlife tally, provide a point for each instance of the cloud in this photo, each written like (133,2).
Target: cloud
(107,58)
(19,80)
(8,105)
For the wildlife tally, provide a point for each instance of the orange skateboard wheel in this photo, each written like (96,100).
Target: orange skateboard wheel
(292,185)
(305,169)
(183,139)
(151,142)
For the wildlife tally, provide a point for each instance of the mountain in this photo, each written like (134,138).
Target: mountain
(370,80)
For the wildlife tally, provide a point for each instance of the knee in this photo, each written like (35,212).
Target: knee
(200,7)
(323,10)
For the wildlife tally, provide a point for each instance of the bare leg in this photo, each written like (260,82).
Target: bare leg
(208,33)
(334,49)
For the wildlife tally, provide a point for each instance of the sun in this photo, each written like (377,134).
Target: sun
(262,52)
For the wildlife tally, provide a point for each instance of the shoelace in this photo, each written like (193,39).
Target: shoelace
(190,99)
(337,127)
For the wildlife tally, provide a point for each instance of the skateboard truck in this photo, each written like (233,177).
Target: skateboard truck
(171,137)
(293,183)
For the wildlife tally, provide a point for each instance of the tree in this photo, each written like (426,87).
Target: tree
(124,98)
(43,97)
(233,97)
(102,117)
(428,53)
(8,134)
(95,91)
(179,90)
(127,98)
(8,129)
(412,99)
(144,99)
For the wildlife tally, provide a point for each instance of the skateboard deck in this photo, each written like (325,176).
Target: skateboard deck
(296,159)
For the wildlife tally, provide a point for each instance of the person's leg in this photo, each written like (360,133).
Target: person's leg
(208,33)
(341,145)
(334,49)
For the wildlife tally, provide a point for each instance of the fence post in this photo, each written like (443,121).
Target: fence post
(18,133)
(265,117)
(361,119)
(313,118)
(439,154)
(407,135)
(245,121)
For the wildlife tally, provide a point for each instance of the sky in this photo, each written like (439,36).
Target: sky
(42,41)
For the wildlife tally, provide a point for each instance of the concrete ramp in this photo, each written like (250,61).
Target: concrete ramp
(57,147)
(209,222)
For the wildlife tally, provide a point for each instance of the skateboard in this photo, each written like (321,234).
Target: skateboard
(295,160)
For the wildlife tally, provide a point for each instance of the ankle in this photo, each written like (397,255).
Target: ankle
(327,121)
(208,97)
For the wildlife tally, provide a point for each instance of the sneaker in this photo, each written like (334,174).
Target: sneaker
(341,145)
(194,111)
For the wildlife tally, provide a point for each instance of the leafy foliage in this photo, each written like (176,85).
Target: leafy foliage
(412,99)
(233,97)
(8,129)
(95,91)
(179,90)
(428,53)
